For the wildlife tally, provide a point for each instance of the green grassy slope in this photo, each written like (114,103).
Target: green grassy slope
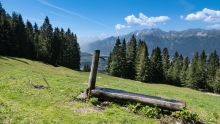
(21,103)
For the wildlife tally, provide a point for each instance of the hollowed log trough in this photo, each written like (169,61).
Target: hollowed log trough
(130,97)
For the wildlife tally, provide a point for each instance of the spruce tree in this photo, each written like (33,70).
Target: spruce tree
(124,67)
(36,41)
(45,41)
(5,30)
(142,62)
(201,71)
(192,77)
(55,46)
(31,54)
(183,73)
(156,66)
(131,56)
(212,65)
(216,86)
(115,65)
(166,63)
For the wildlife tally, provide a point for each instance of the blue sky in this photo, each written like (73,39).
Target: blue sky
(97,19)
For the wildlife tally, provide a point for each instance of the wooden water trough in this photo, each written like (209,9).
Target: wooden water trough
(124,96)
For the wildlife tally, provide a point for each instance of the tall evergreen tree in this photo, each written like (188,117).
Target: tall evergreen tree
(115,65)
(156,66)
(131,56)
(56,43)
(192,77)
(124,67)
(36,41)
(213,64)
(177,66)
(30,46)
(5,30)
(216,86)
(183,73)
(166,63)
(142,62)
(45,41)
(201,71)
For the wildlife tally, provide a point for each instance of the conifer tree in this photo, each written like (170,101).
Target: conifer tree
(166,63)
(156,66)
(30,46)
(123,62)
(183,73)
(192,77)
(55,46)
(45,41)
(5,30)
(201,71)
(142,62)
(115,65)
(36,41)
(213,64)
(131,56)
(216,86)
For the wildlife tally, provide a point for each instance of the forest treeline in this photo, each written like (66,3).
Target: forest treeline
(45,43)
(131,60)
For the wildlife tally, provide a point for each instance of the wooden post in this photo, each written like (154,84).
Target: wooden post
(94,67)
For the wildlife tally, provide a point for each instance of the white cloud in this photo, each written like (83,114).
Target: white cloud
(207,15)
(214,26)
(181,17)
(120,26)
(144,20)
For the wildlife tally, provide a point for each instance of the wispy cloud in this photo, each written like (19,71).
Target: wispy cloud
(73,13)
(120,26)
(206,15)
(187,5)
(144,20)
(58,14)
(215,26)
(42,14)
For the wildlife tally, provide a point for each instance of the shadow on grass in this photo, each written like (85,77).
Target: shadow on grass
(1,57)
(18,60)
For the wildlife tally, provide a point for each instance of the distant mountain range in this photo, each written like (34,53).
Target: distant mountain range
(186,42)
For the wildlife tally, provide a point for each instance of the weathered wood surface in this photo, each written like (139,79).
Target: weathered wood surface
(123,96)
(94,67)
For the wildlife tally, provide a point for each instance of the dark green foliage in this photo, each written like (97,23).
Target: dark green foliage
(166,64)
(45,41)
(27,41)
(156,66)
(142,62)
(131,56)
(192,77)
(183,73)
(115,65)
(201,71)
(212,66)
(124,67)
(216,86)
(5,30)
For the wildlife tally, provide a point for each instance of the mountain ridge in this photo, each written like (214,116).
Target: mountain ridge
(185,42)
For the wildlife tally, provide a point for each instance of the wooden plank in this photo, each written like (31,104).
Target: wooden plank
(123,96)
